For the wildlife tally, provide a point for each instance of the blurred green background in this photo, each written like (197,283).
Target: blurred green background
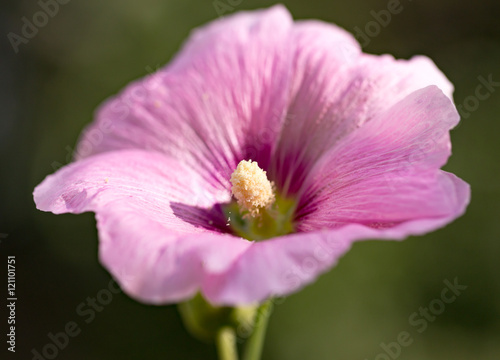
(91,49)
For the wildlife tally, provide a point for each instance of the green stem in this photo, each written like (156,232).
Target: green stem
(253,348)
(226,344)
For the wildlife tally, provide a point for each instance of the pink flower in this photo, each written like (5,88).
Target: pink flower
(354,141)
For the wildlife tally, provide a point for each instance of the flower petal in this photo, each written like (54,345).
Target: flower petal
(209,105)
(275,267)
(387,172)
(380,182)
(159,265)
(284,265)
(336,89)
(158,232)
(152,180)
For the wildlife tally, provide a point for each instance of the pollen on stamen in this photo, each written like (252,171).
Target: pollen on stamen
(251,188)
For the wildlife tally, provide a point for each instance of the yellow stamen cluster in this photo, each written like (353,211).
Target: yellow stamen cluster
(251,188)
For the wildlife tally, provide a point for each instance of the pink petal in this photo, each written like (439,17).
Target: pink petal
(210,104)
(275,267)
(382,181)
(387,172)
(158,265)
(153,217)
(151,179)
(283,265)
(335,90)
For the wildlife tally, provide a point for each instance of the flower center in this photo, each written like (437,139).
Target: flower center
(251,188)
(259,212)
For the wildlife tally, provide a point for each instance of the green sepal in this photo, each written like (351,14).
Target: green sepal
(203,320)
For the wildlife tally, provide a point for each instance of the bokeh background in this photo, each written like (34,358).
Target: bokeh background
(91,49)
